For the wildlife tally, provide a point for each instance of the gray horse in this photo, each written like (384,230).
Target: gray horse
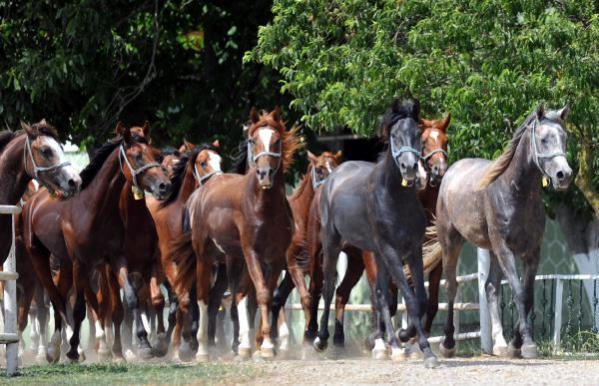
(375,207)
(497,206)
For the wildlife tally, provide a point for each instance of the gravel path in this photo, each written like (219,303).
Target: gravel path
(458,371)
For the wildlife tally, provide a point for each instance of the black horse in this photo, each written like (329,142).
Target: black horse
(375,207)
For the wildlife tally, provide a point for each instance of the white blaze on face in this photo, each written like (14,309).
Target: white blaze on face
(215,161)
(265,135)
(434,134)
(329,167)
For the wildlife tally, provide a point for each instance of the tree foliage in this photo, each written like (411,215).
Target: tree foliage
(86,64)
(488,62)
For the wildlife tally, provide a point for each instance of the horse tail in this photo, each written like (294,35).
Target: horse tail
(182,255)
(432,253)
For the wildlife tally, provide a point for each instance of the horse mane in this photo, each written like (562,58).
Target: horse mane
(290,140)
(5,137)
(179,171)
(240,159)
(501,164)
(306,180)
(400,109)
(44,128)
(91,170)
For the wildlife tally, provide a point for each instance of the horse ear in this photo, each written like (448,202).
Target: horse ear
(27,129)
(540,110)
(445,122)
(187,146)
(563,113)
(425,122)
(120,127)
(338,156)
(414,107)
(313,159)
(254,116)
(43,121)
(147,129)
(126,132)
(396,106)
(276,113)
(216,144)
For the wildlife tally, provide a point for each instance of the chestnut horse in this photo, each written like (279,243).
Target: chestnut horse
(434,156)
(33,153)
(374,208)
(86,232)
(497,205)
(298,263)
(246,222)
(194,168)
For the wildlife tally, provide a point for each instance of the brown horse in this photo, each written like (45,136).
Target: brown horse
(194,168)
(434,155)
(33,153)
(86,232)
(246,222)
(298,263)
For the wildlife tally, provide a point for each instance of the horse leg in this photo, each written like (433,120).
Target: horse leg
(203,280)
(172,313)
(117,314)
(355,267)
(434,281)
(315,294)
(278,303)
(371,272)
(531,263)
(214,303)
(451,244)
(384,320)
(331,249)
(78,314)
(161,344)
(132,299)
(415,302)
(493,290)
(296,274)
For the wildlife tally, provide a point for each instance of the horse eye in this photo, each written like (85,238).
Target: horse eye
(203,164)
(46,152)
(139,157)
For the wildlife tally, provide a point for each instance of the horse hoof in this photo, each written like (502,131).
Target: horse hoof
(320,345)
(529,351)
(145,353)
(160,347)
(447,352)
(431,362)
(398,355)
(514,352)
(244,352)
(267,352)
(130,356)
(415,354)
(500,351)
(380,354)
(202,358)
(73,358)
(104,355)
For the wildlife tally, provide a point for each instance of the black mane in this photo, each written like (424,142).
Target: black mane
(399,110)
(240,159)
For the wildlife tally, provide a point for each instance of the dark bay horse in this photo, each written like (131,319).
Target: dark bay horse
(34,153)
(434,158)
(496,205)
(298,263)
(86,232)
(375,207)
(246,222)
(193,169)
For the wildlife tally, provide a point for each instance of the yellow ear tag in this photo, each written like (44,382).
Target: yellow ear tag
(404,182)
(53,194)
(545,181)
(137,194)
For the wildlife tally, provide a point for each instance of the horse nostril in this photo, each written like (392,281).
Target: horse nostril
(415,166)
(403,165)
(560,175)
(162,187)
(71,183)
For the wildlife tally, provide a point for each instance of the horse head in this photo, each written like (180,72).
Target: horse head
(548,150)
(401,130)
(139,161)
(207,163)
(44,160)
(323,165)
(434,152)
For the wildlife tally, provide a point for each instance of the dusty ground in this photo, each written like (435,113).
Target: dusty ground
(458,371)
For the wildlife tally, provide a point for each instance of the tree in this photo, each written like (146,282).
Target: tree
(86,64)
(489,63)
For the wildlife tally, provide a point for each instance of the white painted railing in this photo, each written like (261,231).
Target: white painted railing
(9,274)
(485,320)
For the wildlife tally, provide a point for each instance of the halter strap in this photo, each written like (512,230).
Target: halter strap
(432,153)
(134,172)
(203,179)
(252,159)
(316,183)
(38,169)
(396,153)
(535,150)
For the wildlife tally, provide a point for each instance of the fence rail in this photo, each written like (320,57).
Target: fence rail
(484,333)
(9,275)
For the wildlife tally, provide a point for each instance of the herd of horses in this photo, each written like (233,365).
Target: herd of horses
(143,222)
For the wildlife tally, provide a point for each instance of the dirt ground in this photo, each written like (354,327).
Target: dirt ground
(458,371)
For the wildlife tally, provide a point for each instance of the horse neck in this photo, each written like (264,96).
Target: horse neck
(428,198)
(105,189)
(304,193)
(188,185)
(12,172)
(522,175)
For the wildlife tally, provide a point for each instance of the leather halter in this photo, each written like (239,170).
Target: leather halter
(134,172)
(252,159)
(201,180)
(315,182)
(396,153)
(535,150)
(38,169)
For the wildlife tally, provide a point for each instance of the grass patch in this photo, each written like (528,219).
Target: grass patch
(134,374)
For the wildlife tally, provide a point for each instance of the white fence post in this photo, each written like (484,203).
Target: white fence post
(557,326)
(486,339)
